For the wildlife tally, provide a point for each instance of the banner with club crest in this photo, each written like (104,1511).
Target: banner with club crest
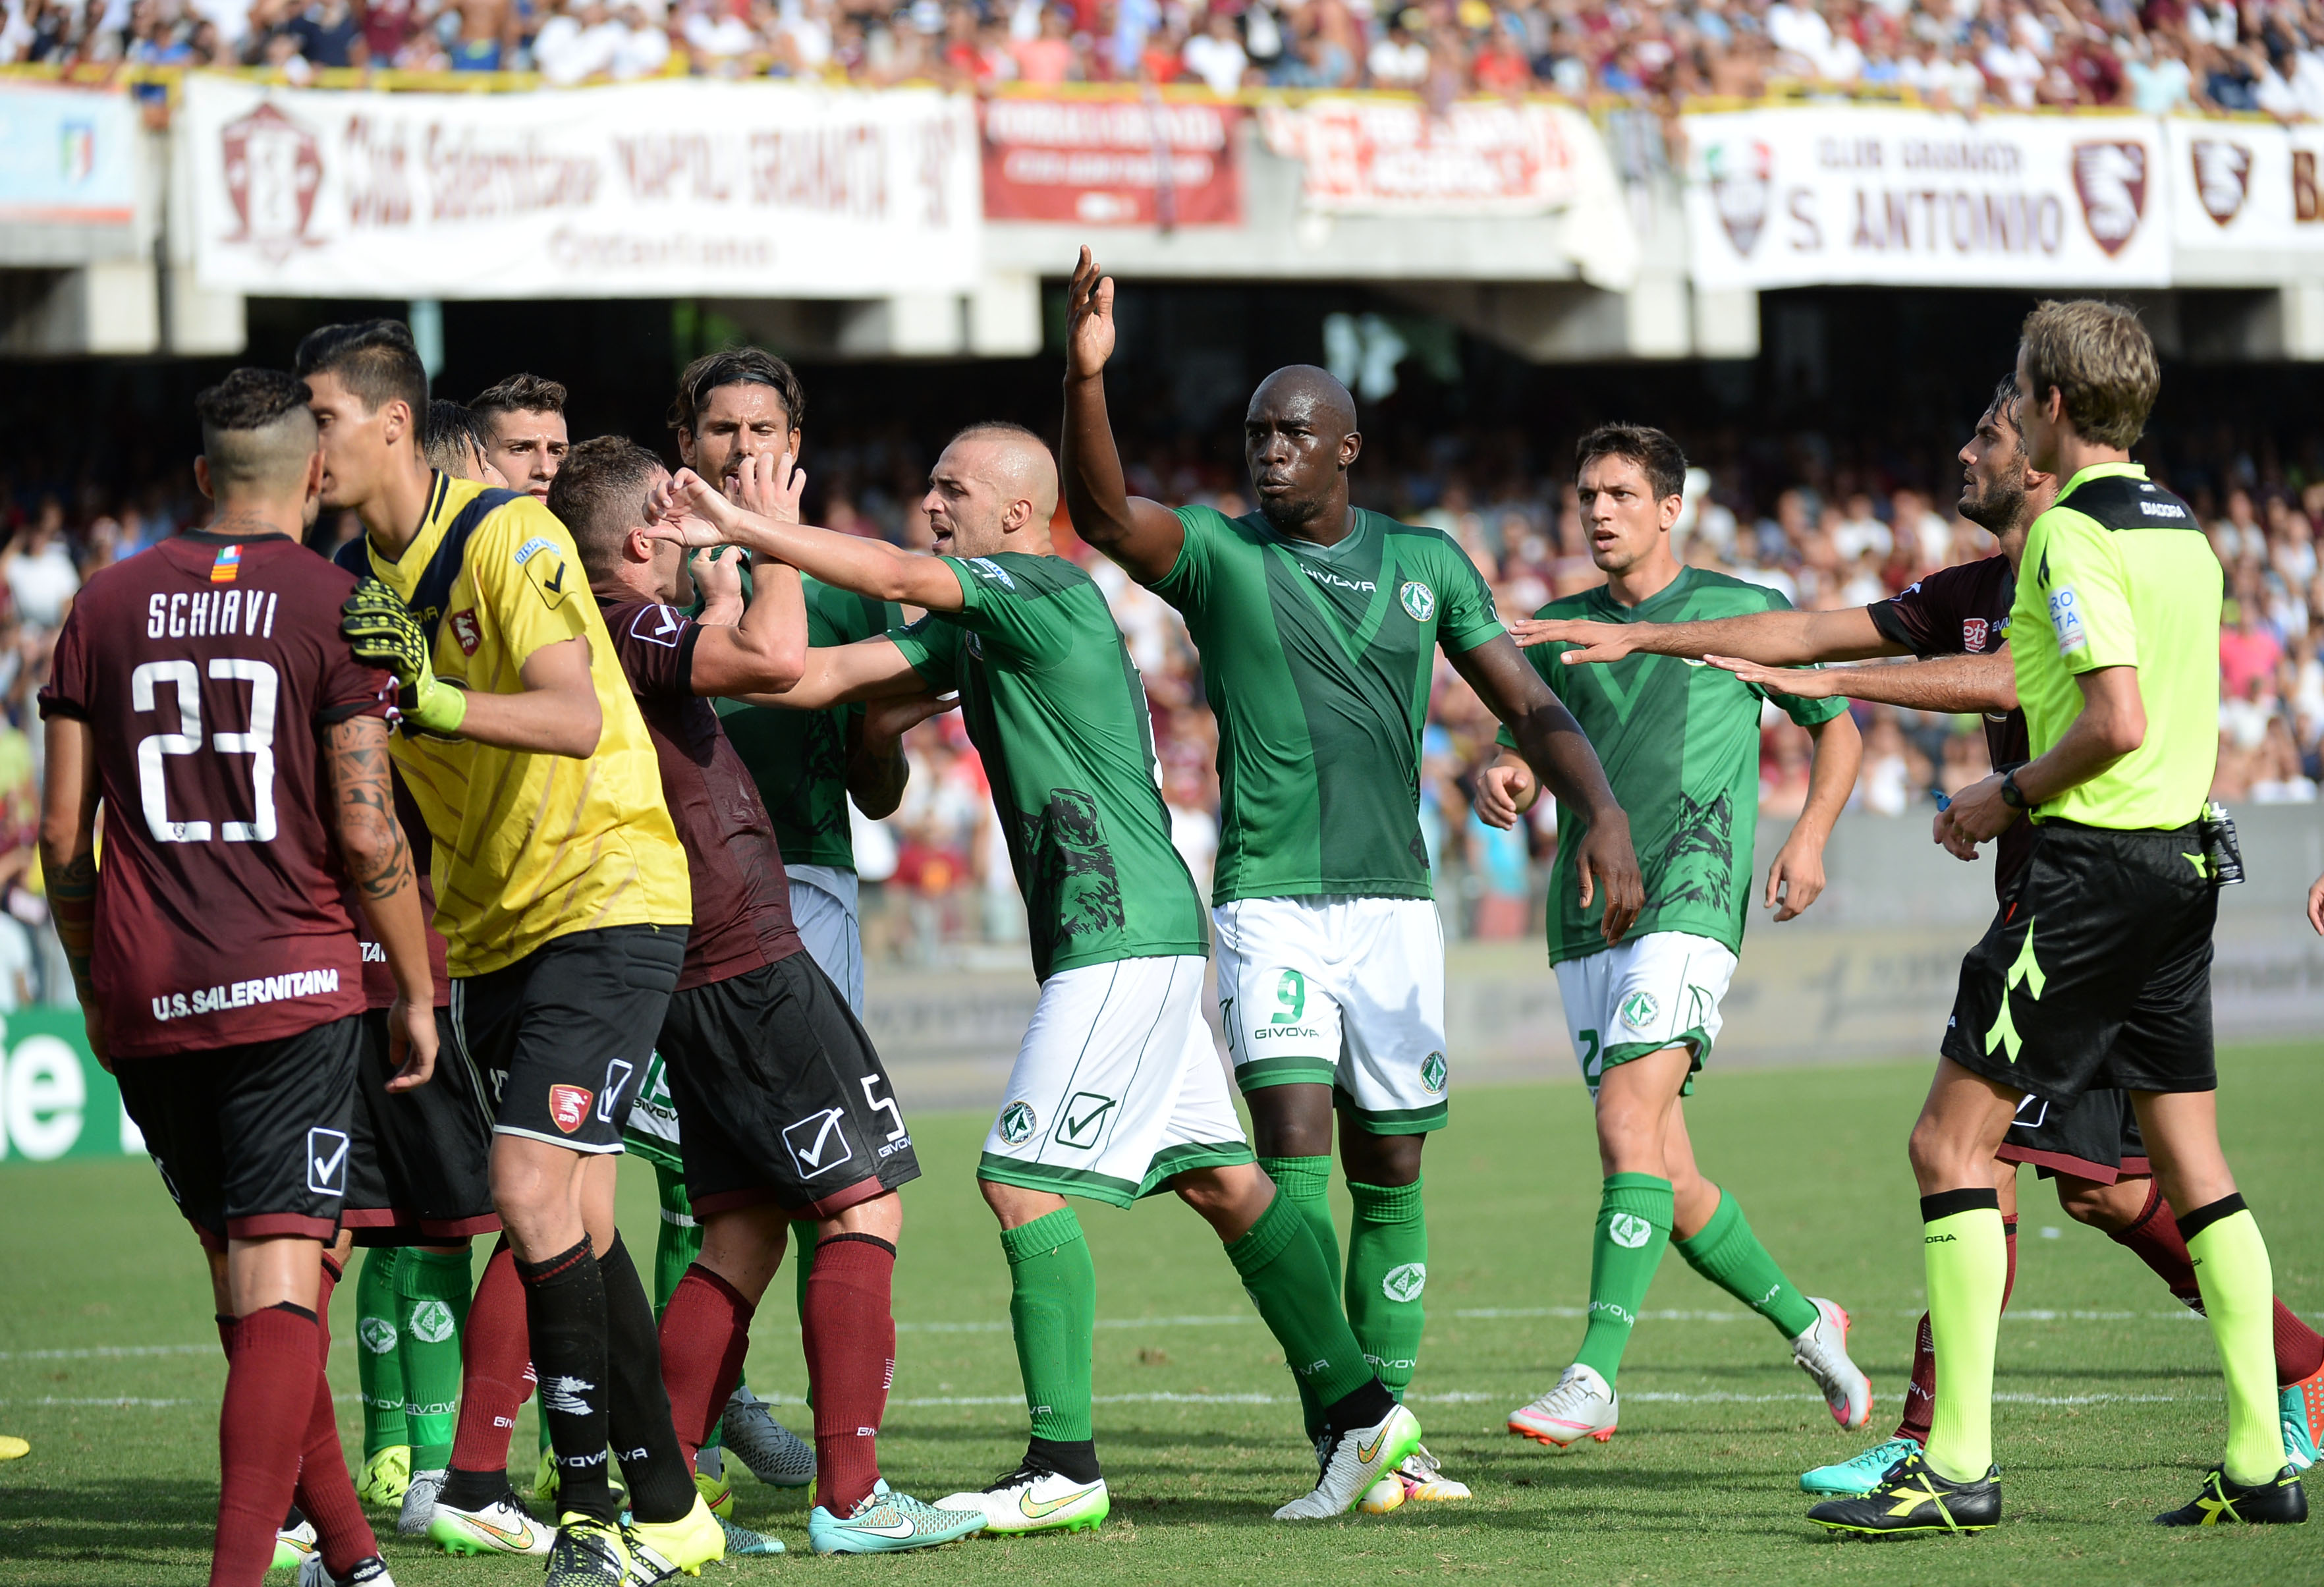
(1844,195)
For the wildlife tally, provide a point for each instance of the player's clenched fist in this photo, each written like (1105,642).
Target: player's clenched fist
(382,629)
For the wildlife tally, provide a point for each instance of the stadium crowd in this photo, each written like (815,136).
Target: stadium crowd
(1827,534)
(2264,56)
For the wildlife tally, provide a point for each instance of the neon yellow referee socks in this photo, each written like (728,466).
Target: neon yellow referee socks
(2238,1286)
(1967,1255)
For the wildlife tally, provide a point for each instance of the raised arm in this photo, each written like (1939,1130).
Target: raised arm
(1786,638)
(68,795)
(766,650)
(1552,751)
(1145,537)
(379,862)
(1951,684)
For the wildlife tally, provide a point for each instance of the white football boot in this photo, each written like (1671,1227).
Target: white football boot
(1581,1405)
(1359,1457)
(1033,1499)
(1822,1353)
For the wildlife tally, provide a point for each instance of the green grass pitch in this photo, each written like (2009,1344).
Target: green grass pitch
(2110,1408)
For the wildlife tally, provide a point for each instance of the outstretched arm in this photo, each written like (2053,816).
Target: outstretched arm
(1951,684)
(869,670)
(1786,638)
(1796,879)
(1145,537)
(1555,752)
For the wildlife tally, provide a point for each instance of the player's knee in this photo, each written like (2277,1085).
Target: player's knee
(1380,1160)
(2106,1207)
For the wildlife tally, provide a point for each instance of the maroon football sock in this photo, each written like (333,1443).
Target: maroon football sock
(851,1360)
(704,1331)
(495,1377)
(269,1392)
(2298,1349)
(2156,1237)
(1921,1397)
(326,1493)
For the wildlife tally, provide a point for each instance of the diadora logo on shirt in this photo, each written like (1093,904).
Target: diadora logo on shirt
(1017,1123)
(327,1162)
(1432,1072)
(987,568)
(1418,599)
(2171,510)
(1082,1121)
(818,1143)
(568,1105)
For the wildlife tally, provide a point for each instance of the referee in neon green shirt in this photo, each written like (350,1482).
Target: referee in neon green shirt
(2096,971)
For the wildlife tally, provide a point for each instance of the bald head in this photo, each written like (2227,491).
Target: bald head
(1312,392)
(994,489)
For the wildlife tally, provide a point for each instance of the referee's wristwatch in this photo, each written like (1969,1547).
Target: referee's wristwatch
(2011,794)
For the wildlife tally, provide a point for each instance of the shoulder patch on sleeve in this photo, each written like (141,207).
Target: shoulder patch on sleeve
(544,564)
(987,568)
(659,625)
(2066,621)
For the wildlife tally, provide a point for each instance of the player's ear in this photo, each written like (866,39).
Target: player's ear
(202,478)
(1351,446)
(685,446)
(314,487)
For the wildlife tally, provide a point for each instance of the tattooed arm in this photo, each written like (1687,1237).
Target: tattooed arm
(379,860)
(69,859)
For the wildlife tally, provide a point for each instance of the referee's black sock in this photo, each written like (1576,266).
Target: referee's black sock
(662,1488)
(565,1318)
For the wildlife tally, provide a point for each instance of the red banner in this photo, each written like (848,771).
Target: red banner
(1112,162)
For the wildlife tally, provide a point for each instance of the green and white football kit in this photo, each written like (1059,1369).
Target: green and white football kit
(1679,742)
(1116,1087)
(1318,661)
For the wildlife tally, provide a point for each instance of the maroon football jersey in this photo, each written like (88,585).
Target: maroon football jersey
(1964,611)
(379,981)
(741,897)
(207,668)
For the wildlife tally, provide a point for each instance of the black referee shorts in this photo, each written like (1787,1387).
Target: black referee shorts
(781,1096)
(2096,972)
(2095,1137)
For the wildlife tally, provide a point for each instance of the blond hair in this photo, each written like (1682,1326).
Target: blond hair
(2102,362)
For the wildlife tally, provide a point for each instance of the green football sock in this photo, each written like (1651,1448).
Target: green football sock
(1634,1222)
(1966,1257)
(1053,1310)
(1290,1282)
(1305,1184)
(1387,1268)
(680,1240)
(2238,1285)
(379,1369)
(435,1289)
(1725,1251)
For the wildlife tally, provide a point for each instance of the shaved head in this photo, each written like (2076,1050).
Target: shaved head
(1316,391)
(994,489)
(257,434)
(1299,440)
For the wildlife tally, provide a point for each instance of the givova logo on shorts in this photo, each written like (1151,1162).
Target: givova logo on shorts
(431,1322)
(1406,1282)
(1628,1231)
(1017,1123)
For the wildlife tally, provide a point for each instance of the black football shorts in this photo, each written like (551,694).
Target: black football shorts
(2096,971)
(781,1096)
(562,1036)
(252,1140)
(2094,1137)
(421,1171)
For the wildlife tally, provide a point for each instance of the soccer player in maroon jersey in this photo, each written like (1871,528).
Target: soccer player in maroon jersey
(784,1109)
(203,693)
(1957,619)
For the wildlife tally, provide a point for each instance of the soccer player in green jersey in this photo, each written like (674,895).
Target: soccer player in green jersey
(1682,745)
(1117,1091)
(2096,970)
(1318,625)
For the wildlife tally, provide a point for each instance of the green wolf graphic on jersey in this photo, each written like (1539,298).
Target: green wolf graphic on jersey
(1053,705)
(1318,661)
(1680,741)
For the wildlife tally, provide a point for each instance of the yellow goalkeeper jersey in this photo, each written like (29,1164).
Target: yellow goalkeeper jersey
(528,847)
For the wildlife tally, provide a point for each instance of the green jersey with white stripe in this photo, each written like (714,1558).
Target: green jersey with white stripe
(1055,705)
(1679,742)
(1318,661)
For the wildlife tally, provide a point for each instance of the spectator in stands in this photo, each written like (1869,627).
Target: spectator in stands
(39,570)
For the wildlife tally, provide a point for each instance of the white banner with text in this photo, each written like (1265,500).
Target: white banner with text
(648,190)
